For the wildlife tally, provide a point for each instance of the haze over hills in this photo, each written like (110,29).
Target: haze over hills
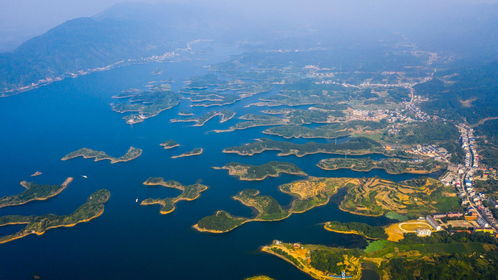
(136,30)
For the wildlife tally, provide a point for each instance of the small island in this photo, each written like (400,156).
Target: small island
(362,229)
(91,209)
(168,205)
(194,152)
(34,192)
(390,165)
(36,173)
(247,172)
(169,144)
(260,277)
(131,154)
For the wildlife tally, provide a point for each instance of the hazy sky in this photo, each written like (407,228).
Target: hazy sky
(40,15)
(22,19)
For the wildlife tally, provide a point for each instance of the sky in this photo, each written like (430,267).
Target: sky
(23,19)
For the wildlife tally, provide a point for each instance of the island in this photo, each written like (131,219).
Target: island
(36,173)
(225,115)
(169,144)
(168,205)
(362,229)
(145,104)
(364,196)
(247,172)
(91,209)
(253,120)
(355,146)
(194,152)
(131,154)
(308,194)
(390,165)
(259,277)
(34,192)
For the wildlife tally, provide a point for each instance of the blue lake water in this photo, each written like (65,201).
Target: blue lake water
(37,128)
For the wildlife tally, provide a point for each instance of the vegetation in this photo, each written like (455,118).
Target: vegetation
(441,256)
(308,194)
(93,208)
(248,172)
(220,222)
(188,193)
(365,230)
(390,165)
(145,104)
(225,115)
(355,146)
(34,192)
(194,152)
(376,197)
(328,131)
(131,154)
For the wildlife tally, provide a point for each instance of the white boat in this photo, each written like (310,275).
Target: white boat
(84,176)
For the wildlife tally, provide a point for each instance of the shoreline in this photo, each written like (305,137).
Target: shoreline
(63,186)
(15,237)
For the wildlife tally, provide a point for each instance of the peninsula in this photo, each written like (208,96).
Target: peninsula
(362,229)
(247,172)
(34,192)
(390,165)
(168,205)
(131,154)
(355,146)
(91,209)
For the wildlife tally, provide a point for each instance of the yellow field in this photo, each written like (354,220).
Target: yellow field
(395,232)
(413,226)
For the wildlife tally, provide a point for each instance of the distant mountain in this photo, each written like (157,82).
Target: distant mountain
(137,30)
(125,31)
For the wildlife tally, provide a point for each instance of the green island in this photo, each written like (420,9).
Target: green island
(225,115)
(259,277)
(328,131)
(364,196)
(390,165)
(253,120)
(440,256)
(308,194)
(168,205)
(169,144)
(131,154)
(362,229)
(194,152)
(91,209)
(247,172)
(146,104)
(34,192)
(355,146)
